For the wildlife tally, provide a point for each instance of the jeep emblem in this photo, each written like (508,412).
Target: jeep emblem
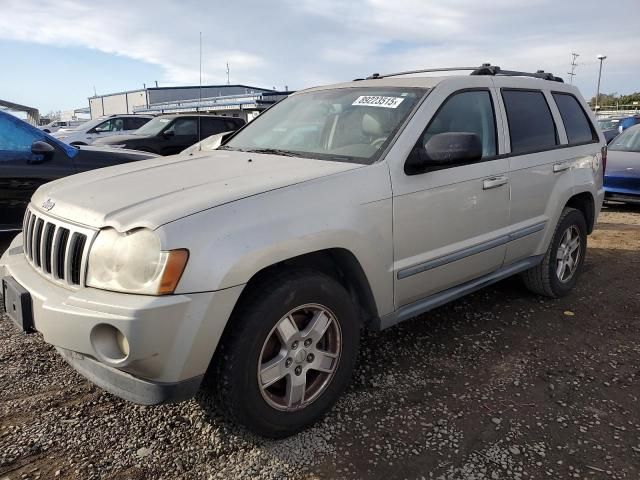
(48,204)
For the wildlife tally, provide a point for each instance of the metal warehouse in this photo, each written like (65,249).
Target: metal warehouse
(227,100)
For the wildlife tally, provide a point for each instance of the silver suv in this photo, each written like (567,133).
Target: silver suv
(248,272)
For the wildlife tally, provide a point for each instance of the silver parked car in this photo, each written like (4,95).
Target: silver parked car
(92,130)
(348,206)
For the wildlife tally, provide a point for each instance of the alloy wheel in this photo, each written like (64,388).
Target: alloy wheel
(299,357)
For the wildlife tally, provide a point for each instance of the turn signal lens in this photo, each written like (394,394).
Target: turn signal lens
(176,263)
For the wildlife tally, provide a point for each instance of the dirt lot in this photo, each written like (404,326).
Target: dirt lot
(500,385)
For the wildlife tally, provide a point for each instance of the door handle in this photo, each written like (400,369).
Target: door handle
(494,182)
(561,167)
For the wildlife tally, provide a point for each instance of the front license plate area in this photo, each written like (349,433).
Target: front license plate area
(17,304)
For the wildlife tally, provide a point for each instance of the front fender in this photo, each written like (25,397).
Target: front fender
(229,244)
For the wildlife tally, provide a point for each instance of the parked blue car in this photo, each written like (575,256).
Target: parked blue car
(622,175)
(612,126)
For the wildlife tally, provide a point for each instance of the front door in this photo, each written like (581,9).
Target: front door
(182,133)
(21,171)
(450,223)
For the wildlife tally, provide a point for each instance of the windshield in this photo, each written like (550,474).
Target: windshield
(627,141)
(608,123)
(154,126)
(346,124)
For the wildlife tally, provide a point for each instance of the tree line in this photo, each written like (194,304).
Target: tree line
(611,99)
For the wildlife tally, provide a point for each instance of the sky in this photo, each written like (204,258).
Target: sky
(54,53)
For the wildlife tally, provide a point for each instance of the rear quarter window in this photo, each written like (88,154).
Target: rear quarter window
(531,126)
(576,122)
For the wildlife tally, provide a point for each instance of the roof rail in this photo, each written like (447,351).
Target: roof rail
(424,70)
(484,69)
(488,69)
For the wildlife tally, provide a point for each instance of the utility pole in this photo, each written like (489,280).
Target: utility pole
(601,58)
(572,73)
(227,73)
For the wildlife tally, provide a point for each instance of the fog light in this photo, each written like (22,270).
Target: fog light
(123,343)
(109,343)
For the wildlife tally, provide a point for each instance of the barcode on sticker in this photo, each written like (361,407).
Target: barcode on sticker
(378,101)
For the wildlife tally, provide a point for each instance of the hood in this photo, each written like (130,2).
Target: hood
(118,139)
(623,163)
(156,191)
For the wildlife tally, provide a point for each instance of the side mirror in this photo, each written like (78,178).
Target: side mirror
(453,147)
(43,149)
(168,133)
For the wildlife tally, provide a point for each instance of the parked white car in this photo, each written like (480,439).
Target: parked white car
(349,206)
(88,132)
(56,125)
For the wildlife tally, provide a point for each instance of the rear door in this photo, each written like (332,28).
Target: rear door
(541,168)
(21,171)
(450,223)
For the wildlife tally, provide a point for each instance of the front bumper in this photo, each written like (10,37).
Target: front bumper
(171,338)
(127,386)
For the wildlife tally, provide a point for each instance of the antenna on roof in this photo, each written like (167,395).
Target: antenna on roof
(200,98)
(227,73)
(572,73)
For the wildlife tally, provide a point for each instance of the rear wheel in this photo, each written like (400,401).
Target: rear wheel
(288,355)
(558,272)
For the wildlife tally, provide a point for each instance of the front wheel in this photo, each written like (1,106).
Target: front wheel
(289,353)
(558,272)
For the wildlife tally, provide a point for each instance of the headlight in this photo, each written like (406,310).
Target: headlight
(133,262)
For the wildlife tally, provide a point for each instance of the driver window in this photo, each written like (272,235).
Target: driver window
(105,126)
(469,111)
(15,137)
(118,124)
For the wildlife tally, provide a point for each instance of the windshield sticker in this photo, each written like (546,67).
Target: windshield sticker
(378,101)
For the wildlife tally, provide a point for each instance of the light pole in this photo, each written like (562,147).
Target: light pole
(601,58)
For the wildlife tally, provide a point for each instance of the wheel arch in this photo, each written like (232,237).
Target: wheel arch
(339,263)
(585,203)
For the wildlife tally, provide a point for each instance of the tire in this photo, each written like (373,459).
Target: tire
(544,278)
(234,381)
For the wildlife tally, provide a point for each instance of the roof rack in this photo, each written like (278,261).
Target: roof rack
(424,70)
(488,69)
(484,69)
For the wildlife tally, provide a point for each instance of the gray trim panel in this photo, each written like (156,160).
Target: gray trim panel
(467,252)
(428,303)
(127,386)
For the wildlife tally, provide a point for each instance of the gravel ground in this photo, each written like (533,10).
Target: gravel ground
(499,385)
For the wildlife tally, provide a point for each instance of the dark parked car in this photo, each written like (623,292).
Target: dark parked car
(170,134)
(30,157)
(622,176)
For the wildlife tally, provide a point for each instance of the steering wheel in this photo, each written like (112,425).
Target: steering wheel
(377,143)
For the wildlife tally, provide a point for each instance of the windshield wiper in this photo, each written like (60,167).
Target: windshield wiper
(272,151)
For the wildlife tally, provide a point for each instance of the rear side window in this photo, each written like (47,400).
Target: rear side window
(531,126)
(576,123)
(132,123)
(211,126)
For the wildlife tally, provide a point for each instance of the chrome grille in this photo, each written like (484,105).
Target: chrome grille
(56,249)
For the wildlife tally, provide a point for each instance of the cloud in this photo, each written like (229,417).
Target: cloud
(307,42)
